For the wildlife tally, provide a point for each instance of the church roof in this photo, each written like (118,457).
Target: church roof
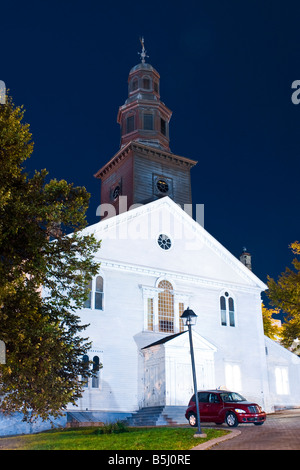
(133,261)
(164,340)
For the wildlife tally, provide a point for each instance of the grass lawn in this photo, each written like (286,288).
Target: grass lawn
(160,438)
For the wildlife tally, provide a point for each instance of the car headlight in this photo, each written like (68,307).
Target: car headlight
(238,410)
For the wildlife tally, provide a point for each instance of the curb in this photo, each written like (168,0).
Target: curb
(217,440)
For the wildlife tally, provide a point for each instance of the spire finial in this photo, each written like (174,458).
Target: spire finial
(143,53)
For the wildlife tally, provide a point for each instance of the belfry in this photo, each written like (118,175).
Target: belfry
(144,169)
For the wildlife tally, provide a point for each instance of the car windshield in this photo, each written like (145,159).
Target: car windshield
(232,396)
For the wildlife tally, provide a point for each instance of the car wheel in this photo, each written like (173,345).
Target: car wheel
(231,420)
(192,420)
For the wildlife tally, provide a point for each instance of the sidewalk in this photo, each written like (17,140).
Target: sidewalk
(280,431)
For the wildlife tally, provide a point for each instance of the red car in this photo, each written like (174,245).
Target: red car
(221,406)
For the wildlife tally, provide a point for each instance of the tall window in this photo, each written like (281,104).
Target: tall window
(134,84)
(231,311)
(99,293)
(150,314)
(129,124)
(95,294)
(88,302)
(180,311)
(163,126)
(163,307)
(86,366)
(223,310)
(146,83)
(166,307)
(96,372)
(96,366)
(227,310)
(148,122)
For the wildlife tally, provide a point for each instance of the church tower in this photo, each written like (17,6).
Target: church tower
(144,169)
(245,258)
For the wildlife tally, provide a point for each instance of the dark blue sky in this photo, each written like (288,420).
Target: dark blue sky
(226,71)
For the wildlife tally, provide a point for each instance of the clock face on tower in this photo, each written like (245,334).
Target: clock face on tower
(162,186)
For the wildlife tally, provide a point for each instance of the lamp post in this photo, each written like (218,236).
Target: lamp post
(190,319)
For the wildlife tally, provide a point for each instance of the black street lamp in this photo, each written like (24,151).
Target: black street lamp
(190,319)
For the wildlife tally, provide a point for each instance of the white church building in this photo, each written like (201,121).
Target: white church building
(156,261)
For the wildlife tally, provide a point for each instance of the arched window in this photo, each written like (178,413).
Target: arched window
(223,310)
(85,361)
(146,83)
(231,311)
(96,373)
(227,310)
(166,307)
(88,302)
(134,84)
(99,293)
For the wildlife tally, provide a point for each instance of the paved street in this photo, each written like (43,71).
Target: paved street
(281,431)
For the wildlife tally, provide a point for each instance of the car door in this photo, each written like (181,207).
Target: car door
(203,405)
(213,407)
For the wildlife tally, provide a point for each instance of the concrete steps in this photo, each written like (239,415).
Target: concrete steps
(158,416)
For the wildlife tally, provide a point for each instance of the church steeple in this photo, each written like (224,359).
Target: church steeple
(144,169)
(144,118)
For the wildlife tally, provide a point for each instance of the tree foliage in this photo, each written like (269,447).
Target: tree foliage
(271,329)
(42,243)
(285,295)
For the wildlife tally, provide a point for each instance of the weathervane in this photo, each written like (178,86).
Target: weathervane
(143,53)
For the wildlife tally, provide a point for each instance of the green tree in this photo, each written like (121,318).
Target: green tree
(270,328)
(42,243)
(285,295)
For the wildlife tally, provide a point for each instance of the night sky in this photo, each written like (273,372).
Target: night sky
(226,72)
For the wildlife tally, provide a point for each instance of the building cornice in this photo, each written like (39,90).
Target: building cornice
(176,276)
(146,151)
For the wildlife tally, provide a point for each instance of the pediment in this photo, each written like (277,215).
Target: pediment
(181,340)
(130,241)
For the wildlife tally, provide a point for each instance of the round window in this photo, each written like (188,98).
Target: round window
(162,186)
(164,242)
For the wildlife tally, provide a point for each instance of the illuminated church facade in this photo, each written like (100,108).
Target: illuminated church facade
(156,261)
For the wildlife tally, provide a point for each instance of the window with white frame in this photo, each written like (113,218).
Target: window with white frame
(99,293)
(88,302)
(95,294)
(96,366)
(163,307)
(166,307)
(227,310)
(150,314)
